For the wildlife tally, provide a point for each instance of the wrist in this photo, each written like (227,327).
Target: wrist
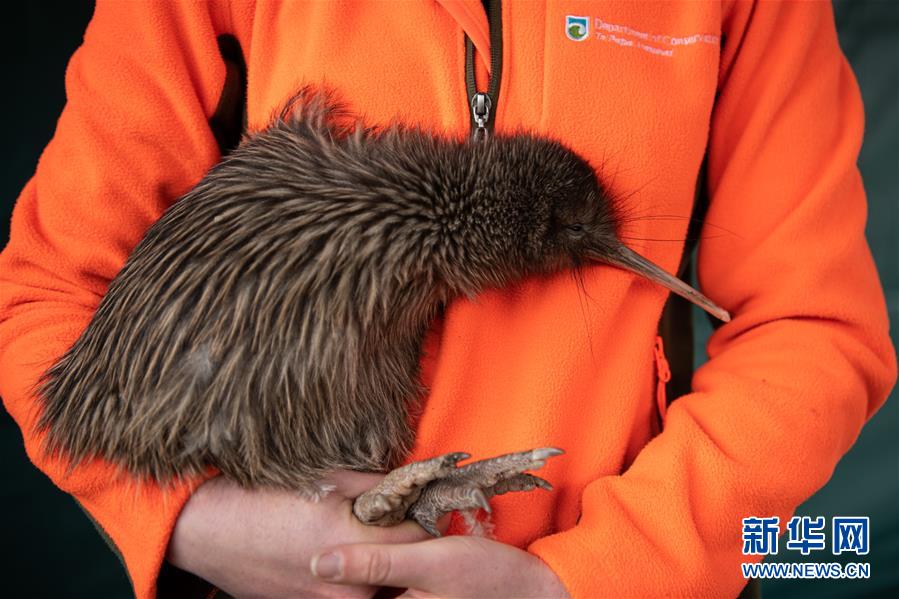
(188,544)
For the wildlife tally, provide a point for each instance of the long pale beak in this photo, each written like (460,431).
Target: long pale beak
(626,258)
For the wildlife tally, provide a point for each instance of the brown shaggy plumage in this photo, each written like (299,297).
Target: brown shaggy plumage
(270,323)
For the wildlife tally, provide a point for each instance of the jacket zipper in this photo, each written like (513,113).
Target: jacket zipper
(663,376)
(483,104)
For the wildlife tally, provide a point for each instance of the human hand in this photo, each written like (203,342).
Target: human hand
(259,543)
(454,566)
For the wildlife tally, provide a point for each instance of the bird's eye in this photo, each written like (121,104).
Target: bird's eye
(576,228)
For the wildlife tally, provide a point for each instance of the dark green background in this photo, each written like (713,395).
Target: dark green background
(49,548)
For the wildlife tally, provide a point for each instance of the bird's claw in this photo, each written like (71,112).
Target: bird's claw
(471,486)
(424,491)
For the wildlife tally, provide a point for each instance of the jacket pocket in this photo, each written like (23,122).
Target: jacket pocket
(662,375)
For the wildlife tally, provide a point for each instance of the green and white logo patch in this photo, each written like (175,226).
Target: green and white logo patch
(577,28)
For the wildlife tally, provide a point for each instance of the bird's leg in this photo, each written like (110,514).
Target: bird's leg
(470,486)
(386,503)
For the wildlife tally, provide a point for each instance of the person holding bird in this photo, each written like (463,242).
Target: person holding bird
(239,354)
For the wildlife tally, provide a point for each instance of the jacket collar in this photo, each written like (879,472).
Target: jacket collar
(470,15)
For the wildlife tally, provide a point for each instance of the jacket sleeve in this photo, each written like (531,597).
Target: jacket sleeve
(134,136)
(807,358)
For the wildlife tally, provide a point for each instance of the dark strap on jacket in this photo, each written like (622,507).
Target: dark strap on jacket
(676,324)
(228,125)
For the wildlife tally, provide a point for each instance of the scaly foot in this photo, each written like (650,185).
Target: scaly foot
(470,486)
(387,503)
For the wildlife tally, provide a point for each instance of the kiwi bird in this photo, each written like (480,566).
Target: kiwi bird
(270,323)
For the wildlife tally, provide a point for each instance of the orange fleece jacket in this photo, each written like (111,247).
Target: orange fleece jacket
(790,381)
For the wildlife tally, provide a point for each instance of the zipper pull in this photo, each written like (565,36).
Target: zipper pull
(480,112)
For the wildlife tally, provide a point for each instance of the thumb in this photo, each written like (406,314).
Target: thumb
(407,531)
(414,565)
